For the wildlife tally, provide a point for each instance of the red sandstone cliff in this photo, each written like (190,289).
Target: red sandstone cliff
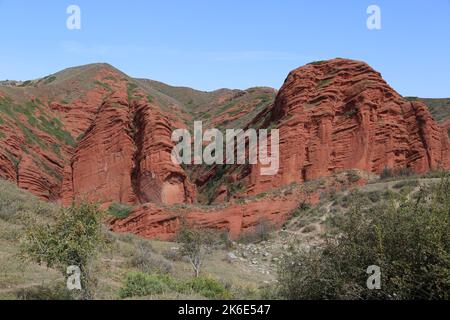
(92,132)
(340,114)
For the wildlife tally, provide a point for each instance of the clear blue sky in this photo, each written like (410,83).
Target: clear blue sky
(209,44)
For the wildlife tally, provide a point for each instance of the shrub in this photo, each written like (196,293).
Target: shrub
(16,203)
(74,240)
(49,79)
(209,288)
(406,183)
(196,244)
(172,255)
(353,176)
(304,206)
(375,196)
(119,210)
(56,292)
(261,232)
(139,284)
(407,238)
(145,260)
(103,85)
(388,173)
(131,87)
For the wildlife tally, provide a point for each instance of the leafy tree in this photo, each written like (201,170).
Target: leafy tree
(196,244)
(73,240)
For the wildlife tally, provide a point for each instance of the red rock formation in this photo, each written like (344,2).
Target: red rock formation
(123,140)
(153,221)
(125,155)
(236,218)
(446,125)
(341,114)
(92,132)
(28,153)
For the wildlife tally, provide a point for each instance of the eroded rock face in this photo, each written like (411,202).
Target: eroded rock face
(124,156)
(94,133)
(446,125)
(153,221)
(341,114)
(234,218)
(30,155)
(103,140)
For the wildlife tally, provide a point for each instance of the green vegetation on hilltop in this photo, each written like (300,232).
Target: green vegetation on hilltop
(439,108)
(49,79)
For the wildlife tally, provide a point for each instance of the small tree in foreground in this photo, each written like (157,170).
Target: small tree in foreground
(196,244)
(407,237)
(73,240)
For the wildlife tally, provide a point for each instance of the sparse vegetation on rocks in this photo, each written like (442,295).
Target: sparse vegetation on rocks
(120,210)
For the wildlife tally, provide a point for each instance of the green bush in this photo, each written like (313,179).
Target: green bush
(209,288)
(49,79)
(73,240)
(131,87)
(406,183)
(196,244)
(139,284)
(119,210)
(353,176)
(407,237)
(55,292)
(375,196)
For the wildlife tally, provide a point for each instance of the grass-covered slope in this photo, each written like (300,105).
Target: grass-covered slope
(133,268)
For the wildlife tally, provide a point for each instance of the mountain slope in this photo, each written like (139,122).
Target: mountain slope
(439,108)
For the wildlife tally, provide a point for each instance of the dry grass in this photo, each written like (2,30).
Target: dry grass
(125,253)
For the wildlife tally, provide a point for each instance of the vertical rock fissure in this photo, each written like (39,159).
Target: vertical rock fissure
(421,123)
(137,135)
